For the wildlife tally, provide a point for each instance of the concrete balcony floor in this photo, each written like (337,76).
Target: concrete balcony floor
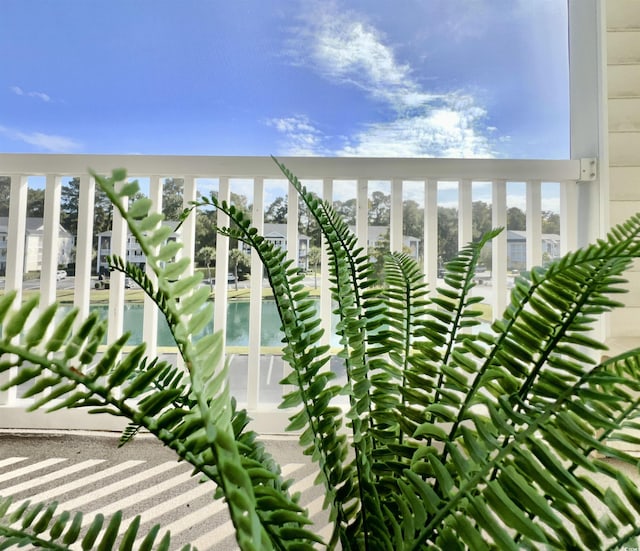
(86,471)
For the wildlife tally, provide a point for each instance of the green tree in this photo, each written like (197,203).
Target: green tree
(276,212)
(481,214)
(173,198)
(379,209)
(35,203)
(447,233)
(315,258)
(238,259)
(5,194)
(412,218)
(516,219)
(347,210)
(103,210)
(308,225)
(206,256)
(550,222)
(206,234)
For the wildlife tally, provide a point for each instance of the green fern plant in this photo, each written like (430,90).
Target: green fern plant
(454,437)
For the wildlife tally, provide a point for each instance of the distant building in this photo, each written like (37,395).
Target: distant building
(33,245)
(378,236)
(517,248)
(277,234)
(134,251)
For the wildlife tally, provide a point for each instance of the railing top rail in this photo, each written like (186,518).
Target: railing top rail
(341,168)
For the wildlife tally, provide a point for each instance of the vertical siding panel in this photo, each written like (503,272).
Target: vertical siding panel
(568,217)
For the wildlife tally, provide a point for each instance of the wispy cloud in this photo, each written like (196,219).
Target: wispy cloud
(37,95)
(347,50)
(47,142)
(301,137)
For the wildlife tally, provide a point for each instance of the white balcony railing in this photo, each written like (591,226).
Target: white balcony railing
(261,392)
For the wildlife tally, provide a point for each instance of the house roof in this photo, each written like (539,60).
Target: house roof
(172,223)
(279,230)
(376,232)
(33,225)
(521,235)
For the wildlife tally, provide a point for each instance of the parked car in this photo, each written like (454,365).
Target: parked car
(61,274)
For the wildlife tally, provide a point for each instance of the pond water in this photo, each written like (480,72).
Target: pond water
(237,324)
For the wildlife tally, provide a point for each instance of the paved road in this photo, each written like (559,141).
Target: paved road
(88,472)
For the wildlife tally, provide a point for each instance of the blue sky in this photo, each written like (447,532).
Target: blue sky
(444,78)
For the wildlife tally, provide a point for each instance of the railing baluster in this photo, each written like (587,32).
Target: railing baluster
(465,213)
(222,261)
(188,228)
(396,240)
(84,245)
(50,244)
(499,247)
(430,245)
(293,241)
(116,280)
(325,294)
(534,224)
(16,228)
(255,302)
(150,318)
(362,213)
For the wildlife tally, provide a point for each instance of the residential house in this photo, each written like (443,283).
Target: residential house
(378,236)
(134,251)
(34,243)
(517,248)
(277,234)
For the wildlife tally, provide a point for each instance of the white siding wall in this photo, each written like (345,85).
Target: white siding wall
(623,82)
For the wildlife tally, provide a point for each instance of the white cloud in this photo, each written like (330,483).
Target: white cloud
(440,132)
(48,142)
(38,95)
(346,50)
(301,138)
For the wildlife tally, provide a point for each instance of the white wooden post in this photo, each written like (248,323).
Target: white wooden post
(84,245)
(50,242)
(222,262)
(499,247)
(396,241)
(430,245)
(150,321)
(465,213)
(255,302)
(534,224)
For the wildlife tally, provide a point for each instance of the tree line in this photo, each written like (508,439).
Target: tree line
(277,213)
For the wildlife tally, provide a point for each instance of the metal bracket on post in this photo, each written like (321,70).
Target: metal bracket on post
(588,169)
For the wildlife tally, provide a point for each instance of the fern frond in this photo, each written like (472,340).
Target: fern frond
(321,439)
(43,526)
